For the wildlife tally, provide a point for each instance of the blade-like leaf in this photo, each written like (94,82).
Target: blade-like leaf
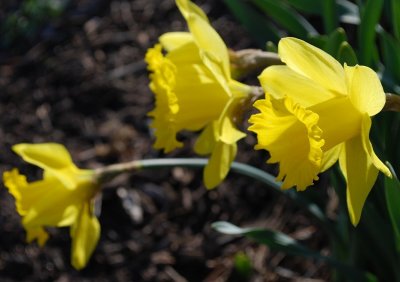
(260,28)
(395,8)
(286,17)
(330,15)
(347,11)
(392,192)
(391,55)
(281,242)
(367,30)
(346,54)
(307,6)
(334,41)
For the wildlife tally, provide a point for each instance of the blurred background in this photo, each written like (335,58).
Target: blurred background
(72,72)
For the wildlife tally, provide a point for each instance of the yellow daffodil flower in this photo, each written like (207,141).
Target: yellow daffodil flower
(194,91)
(317,112)
(64,197)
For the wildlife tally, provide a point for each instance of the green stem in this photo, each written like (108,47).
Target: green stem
(107,173)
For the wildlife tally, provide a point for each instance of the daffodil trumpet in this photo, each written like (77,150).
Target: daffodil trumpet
(317,112)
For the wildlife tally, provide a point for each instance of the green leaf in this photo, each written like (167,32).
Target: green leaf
(243,265)
(346,54)
(271,47)
(286,17)
(395,8)
(307,6)
(281,242)
(318,40)
(392,193)
(367,30)
(329,12)
(334,41)
(347,12)
(258,26)
(391,55)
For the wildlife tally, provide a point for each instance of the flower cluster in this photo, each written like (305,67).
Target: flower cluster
(316,112)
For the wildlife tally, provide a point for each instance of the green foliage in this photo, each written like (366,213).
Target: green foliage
(24,23)
(279,241)
(370,16)
(243,265)
(392,193)
(258,26)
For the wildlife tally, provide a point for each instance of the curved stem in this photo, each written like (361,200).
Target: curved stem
(392,103)
(107,173)
(247,61)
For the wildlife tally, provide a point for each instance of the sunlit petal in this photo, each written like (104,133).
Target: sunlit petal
(219,164)
(365,89)
(313,63)
(174,40)
(360,175)
(299,88)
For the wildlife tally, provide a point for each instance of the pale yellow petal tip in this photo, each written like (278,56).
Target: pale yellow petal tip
(212,177)
(354,216)
(211,184)
(365,89)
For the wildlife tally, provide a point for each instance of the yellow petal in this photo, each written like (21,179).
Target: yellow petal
(280,81)
(219,164)
(16,182)
(360,175)
(206,142)
(187,7)
(45,155)
(49,156)
(313,63)
(38,234)
(85,234)
(173,40)
(365,128)
(50,204)
(213,50)
(47,202)
(212,47)
(186,54)
(229,133)
(330,157)
(365,89)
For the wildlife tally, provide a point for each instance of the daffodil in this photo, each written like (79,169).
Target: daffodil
(194,91)
(316,112)
(64,197)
